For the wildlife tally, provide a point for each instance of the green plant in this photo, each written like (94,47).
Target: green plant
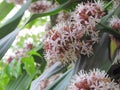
(77,38)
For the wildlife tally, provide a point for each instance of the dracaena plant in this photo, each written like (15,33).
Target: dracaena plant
(80,49)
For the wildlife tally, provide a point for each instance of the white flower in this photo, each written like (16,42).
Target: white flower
(94,80)
(62,43)
(86,49)
(84,20)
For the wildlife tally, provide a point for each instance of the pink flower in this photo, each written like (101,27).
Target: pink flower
(68,40)
(94,80)
(62,43)
(84,20)
(115,23)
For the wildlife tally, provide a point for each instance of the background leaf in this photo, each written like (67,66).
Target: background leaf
(29,64)
(12,23)
(6,42)
(62,82)
(21,83)
(99,59)
(55,68)
(6,7)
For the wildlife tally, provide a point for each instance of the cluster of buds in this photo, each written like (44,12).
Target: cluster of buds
(19,2)
(67,40)
(94,80)
(40,6)
(20,53)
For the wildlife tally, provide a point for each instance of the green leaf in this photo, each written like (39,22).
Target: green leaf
(55,68)
(114,70)
(61,1)
(6,42)
(21,83)
(62,82)
(70,6)
(100,59)
(33,52)
(12,23)
(6,7)
(29,64)
(14,68)
(110,30)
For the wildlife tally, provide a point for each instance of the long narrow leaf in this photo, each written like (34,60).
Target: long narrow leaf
(62,82)
(21,83)
(12,23)
(99,59)
(51,12)
(49,72)
(6,42)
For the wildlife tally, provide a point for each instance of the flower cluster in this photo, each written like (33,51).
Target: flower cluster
(84,20)
(62,16)
(20,53)
(115,23)
(67,40)
(94,80)
(61,43)
(40,6)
